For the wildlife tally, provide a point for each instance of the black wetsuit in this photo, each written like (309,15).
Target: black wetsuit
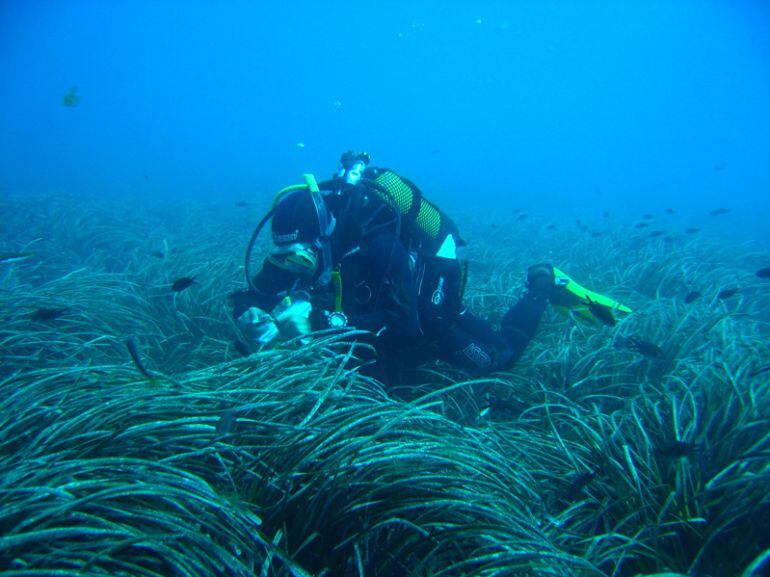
(381,293)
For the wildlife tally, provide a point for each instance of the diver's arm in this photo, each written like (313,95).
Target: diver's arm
(271,284)
(395,316)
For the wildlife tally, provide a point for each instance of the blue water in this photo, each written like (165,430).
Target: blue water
(562,108)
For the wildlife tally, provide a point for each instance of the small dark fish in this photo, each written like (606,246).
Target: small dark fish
(522,216)
(727,293)
(242,348)
(226,422)
(504,409)
(691,297)
(596,233)
(759,371)
(692,230)
(183,283)
(645,348)
(435,151)
(603,314)
(494,402)
(763,272)
(584,228)
(606,214)
(668,238)
(551,227)
(48,314)
(11,257)
(134,352)
(719,211)
(720,166)
(157,254)
(71,99)
(677,449)
(640,225)
(579,482)
(656,233)
(579,223)
(241,204)
(670,211)
(647,216)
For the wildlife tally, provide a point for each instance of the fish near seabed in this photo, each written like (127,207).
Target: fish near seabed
(133,350)
(71,99)
(44,314)
(183,283)
(226,422)
(727,293)
(242,348)
(637,345)
(677,449)
(759,371)
(691,297)
(602,314)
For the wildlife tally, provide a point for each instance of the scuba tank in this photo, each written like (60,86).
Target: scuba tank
(422,225)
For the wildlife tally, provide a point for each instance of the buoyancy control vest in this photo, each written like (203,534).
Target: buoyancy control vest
(431,238)
(368,199)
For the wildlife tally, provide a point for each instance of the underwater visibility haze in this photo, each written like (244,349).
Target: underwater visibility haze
(142,433)
(559,106)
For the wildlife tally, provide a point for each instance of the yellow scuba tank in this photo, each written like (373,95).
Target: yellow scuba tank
(425,224)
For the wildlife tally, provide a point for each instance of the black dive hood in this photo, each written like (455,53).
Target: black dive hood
(326,225)
(350,175)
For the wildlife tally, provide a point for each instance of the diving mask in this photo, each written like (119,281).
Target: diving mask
(297,258)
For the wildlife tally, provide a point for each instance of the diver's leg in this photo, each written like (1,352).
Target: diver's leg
(519,324)
(472,344)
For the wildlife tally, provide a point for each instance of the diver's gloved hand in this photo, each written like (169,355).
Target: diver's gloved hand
(540,280)
(292,316)
(259,326)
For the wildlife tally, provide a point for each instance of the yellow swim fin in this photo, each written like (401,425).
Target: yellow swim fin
(571,299)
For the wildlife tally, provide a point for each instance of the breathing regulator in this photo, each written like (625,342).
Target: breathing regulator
(350,173)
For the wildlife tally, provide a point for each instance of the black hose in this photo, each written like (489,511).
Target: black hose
(250,248)
(333,184)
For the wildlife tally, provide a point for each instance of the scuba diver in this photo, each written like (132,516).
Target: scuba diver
(367,250)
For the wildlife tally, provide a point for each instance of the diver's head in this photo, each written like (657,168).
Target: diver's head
(296,231)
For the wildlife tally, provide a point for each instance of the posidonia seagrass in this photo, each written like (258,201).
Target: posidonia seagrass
(584,459)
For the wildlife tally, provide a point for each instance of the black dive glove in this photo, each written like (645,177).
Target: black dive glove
(540,281)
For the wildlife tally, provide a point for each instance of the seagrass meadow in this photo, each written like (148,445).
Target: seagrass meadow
(587,458)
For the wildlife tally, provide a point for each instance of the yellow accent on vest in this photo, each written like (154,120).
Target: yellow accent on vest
(337,280)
